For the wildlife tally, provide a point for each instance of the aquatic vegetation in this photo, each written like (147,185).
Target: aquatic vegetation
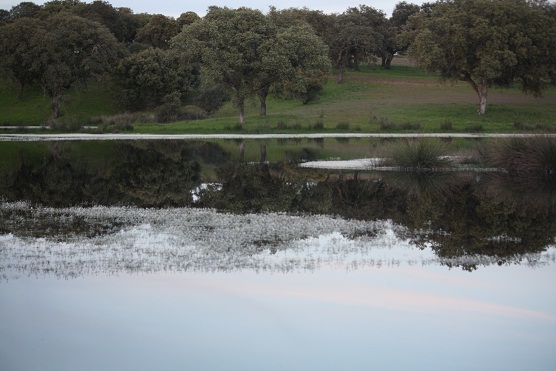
(529,178)
(522,155)
(419,155)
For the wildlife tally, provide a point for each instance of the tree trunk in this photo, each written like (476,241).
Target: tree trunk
(55,105)
(340,62)
(20,92)
(263,153)
(481,90)
(241,151)
(241,106)
(262,98)
(388,62)
(341,69)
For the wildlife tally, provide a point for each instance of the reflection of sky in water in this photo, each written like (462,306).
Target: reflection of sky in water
(394,308)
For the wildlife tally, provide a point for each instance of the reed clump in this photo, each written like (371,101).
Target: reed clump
(419,155)
(522,155)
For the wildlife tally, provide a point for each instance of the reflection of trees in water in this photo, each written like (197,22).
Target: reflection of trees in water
(129,240)
(475,217)
(468,220)
(122,173)
(184,239)
(457,214)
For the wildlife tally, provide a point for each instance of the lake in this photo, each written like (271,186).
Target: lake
(273,254)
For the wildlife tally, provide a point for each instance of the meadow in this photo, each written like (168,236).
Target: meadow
(403,99)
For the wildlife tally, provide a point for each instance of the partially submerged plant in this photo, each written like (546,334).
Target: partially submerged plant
(419,155)
(530,170)
(523,155)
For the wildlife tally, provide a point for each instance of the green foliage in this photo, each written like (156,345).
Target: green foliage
(229,44)
(158,31)
(247,54)
(211,99)
(58,53)
(152,77)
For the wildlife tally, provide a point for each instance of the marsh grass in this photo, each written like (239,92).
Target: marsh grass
(419,155)
(530,165)
(522,155)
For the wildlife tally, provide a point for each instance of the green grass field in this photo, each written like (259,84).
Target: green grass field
(403,99)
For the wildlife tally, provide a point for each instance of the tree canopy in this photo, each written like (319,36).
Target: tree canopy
(56,53)
(246,53)
(486,43)
(152,77)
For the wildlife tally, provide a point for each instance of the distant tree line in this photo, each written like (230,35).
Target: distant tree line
(157,62)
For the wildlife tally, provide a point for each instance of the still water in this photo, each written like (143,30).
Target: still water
(178,255)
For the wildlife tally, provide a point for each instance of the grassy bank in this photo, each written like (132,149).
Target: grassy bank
(403,99)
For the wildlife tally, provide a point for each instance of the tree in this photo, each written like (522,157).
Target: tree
(4,16)
(350,38)
(107,15)
(187,18)
(64,50)
(297,64)
(56,6)
(18,54)
(158,31)
(150,78)
(486,43)
(24,9)
(392,43)
(377,24)
(229,45)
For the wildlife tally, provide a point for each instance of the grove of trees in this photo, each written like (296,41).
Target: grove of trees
(151,60)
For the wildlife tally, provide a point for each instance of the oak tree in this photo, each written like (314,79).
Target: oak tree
(486,43)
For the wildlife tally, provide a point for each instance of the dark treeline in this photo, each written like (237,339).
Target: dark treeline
(158,63)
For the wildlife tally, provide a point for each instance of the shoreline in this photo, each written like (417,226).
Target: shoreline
(100,137)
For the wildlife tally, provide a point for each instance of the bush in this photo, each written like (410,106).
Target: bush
(474,128)
(342,126)
(70,126)
(446,125)
(386,124)
(411,126)
(518,155)
(319,125)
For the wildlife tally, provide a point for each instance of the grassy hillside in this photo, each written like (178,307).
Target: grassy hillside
(370,100)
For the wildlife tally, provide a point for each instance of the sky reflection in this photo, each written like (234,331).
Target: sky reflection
(175,289)
(408,317)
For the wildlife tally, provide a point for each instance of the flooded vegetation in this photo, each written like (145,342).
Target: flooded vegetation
(464,228)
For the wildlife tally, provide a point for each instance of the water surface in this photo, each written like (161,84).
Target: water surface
(108,260)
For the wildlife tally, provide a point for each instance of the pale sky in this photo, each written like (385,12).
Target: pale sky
(175,8)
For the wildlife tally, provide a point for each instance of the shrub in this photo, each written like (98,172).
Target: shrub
(523,155)
(342,126)
(474,128)
(281,125)
(446,125)
(319,125)
(71,126)
(411,126)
